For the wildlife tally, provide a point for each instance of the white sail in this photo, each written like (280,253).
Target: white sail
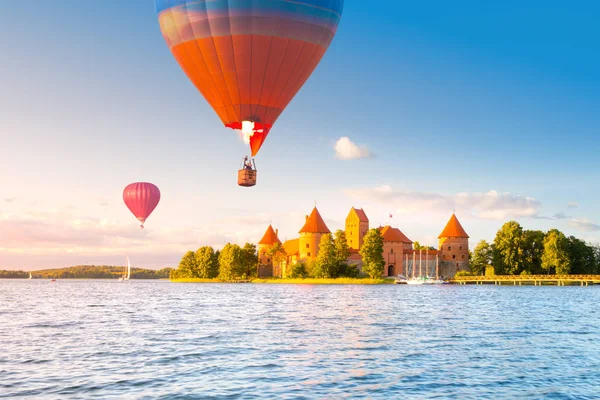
(128,269)
(30,275)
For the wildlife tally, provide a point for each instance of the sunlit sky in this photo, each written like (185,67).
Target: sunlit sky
(489,108)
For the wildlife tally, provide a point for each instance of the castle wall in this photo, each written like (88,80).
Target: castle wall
(355,230)
(309,245)
(393,256)
(454,255)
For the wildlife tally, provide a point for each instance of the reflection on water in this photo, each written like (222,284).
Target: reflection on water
(149,339)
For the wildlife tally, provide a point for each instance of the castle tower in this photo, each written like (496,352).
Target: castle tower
(310,235)
(357,225)
(394,245)
(264,260)
(454,247)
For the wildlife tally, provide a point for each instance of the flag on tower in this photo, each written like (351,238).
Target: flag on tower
(390,215)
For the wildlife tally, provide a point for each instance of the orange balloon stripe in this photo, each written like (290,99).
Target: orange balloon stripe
(243,78)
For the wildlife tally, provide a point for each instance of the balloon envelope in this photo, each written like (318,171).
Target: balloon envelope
(249,58)
(141,198)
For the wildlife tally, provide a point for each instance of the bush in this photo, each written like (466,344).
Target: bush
(463,273)
(297,270)
(351,271)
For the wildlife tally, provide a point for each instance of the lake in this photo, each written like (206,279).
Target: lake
(94,339)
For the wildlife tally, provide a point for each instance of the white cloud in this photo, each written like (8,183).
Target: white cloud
(491,205)
(573,204)
(345,149)
(62,236)
(584,225)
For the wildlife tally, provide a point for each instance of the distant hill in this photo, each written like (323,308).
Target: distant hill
(88,272)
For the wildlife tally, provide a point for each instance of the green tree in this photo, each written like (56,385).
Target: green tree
(582,256)
(372,254)
(231,264)
(207,262)
(249,259)
(327,262)
(342,252)
(533,249)
(298,270)
(188,267)
(556,254)
(278,256)
(507,249)
(482,258)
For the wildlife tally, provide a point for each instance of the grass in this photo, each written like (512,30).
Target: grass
(307,281)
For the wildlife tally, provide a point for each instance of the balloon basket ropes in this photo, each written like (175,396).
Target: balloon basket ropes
(247,173)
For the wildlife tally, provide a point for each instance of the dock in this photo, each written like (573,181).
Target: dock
(529,280)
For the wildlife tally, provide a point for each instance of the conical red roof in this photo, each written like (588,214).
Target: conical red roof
(315,224)
(453,229)
(270,237)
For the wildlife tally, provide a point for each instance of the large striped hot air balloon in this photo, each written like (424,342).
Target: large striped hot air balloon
(249,58)
(141,198)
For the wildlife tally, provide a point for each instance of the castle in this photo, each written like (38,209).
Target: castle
(398,252)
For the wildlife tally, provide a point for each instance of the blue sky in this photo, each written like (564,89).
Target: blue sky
(471,105)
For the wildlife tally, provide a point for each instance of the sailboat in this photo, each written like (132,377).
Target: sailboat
(29,276)
(126,276)
(128,269)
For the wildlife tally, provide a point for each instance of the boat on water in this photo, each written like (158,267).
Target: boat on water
(127,275)
(29,276)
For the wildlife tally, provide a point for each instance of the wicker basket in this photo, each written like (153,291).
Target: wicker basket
(247,177)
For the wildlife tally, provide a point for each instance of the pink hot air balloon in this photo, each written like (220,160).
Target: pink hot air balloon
(141,198)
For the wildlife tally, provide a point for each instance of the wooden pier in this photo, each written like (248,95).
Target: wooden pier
(529,280)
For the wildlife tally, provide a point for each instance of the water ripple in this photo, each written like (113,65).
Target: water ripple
(157,340)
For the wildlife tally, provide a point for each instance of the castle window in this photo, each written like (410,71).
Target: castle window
(453,257)
(268,260)
(463,256)
(460,248)
(307,245)
(449,247)
(391,251)
(308,254)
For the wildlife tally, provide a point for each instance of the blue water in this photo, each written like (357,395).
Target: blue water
(156,339)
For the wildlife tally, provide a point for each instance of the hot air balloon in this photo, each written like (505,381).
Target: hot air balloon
(249,58)
(141,198)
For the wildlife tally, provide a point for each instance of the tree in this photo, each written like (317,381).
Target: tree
(582,256)
(207,262)
(230,262)
(327,262)
(298,270)
(507,249)
(533,249)
(188,267)
(482,258)
(249,259)
(372,254)
(278,255)
(556,253)
(342,252)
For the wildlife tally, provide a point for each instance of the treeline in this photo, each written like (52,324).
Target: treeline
(235,262)
(232,262)
(89,272)
(13,274)
(516,251)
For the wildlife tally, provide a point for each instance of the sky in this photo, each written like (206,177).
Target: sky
(416,110)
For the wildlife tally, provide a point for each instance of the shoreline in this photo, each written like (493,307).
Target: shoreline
(284,281)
